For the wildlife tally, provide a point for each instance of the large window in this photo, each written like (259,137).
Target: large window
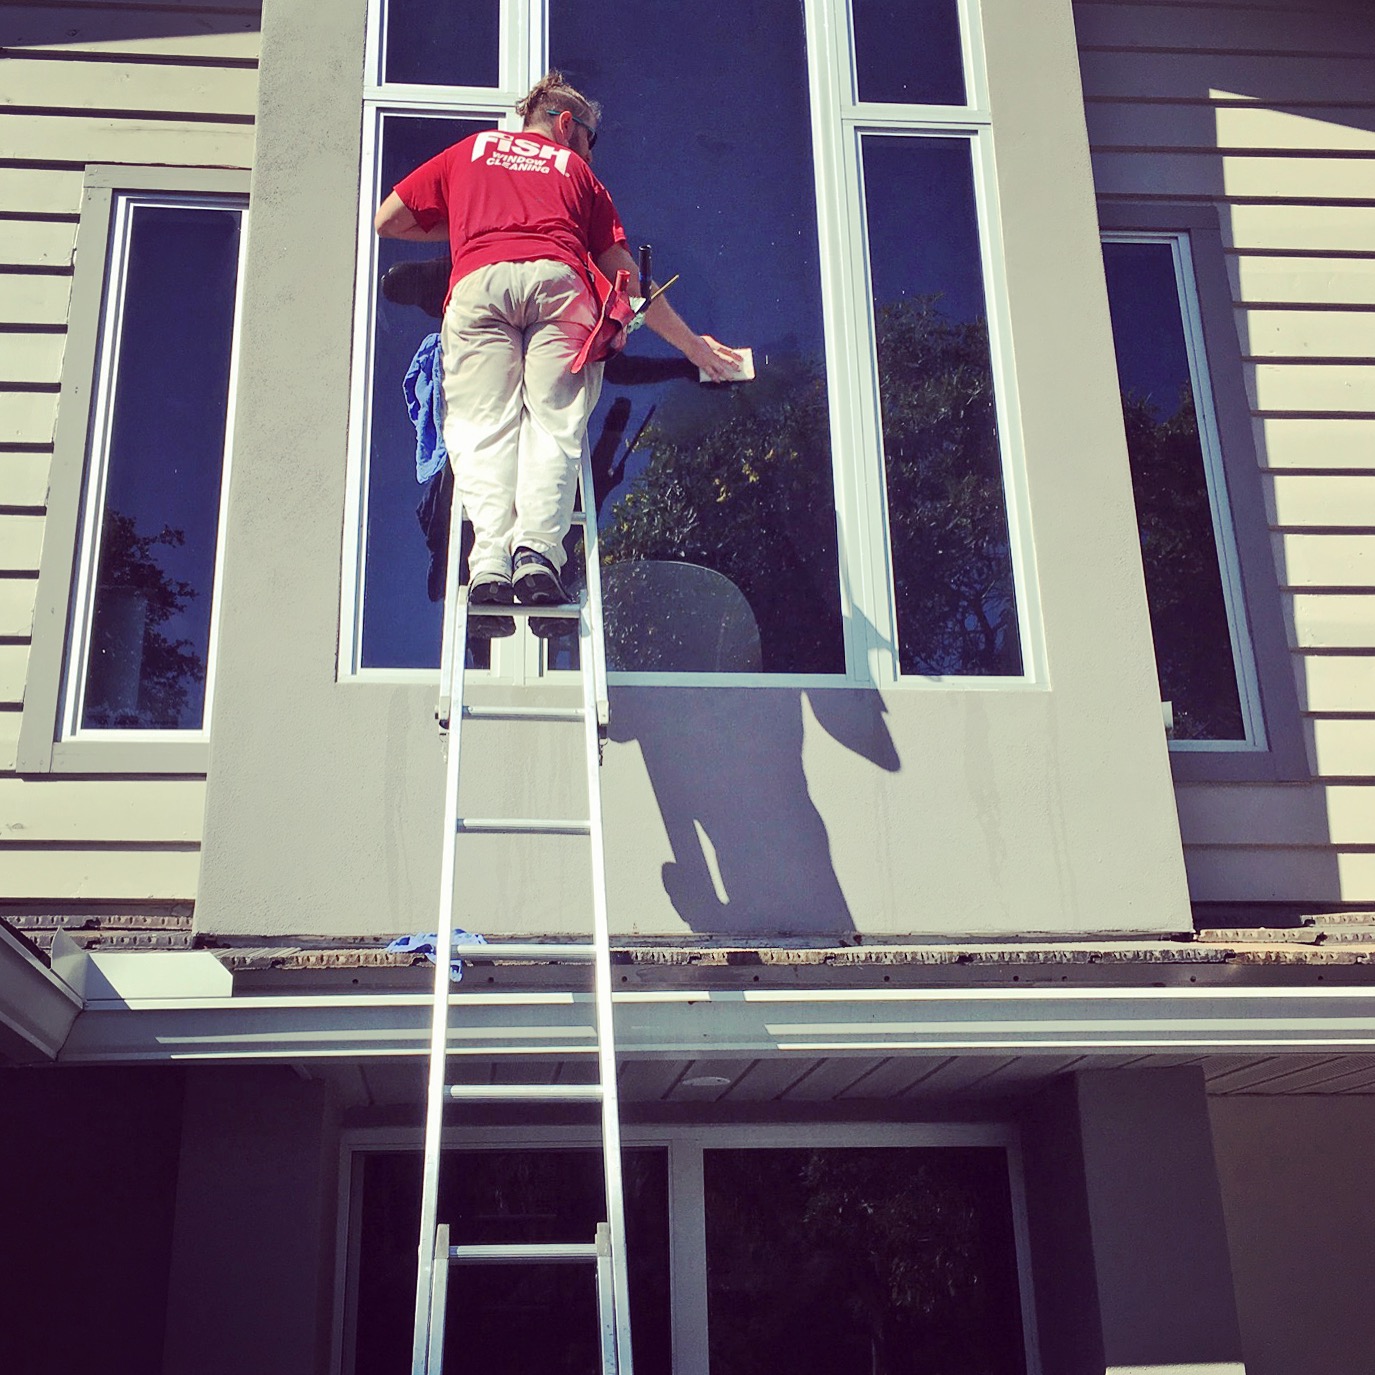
(820,174)
(141,632)
(816,1249)
(1193,583)
(132,549)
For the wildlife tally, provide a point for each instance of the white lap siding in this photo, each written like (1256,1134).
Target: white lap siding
(1266,110)
(172,84)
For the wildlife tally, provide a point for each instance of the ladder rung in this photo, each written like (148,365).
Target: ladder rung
(535,952)
(540,1253)
(541,1093)
(523,713)
(566,611)
(523,826)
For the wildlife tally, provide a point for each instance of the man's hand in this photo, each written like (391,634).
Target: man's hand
(715,359)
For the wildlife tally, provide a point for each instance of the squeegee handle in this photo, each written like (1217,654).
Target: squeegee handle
(646,278)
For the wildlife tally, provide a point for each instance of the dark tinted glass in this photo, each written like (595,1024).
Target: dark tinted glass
(908,51)
(1193,645)
(442,42)
(512,1319)
(854,1261)
(952,563)
(150,630)
(707,153)
(402,627)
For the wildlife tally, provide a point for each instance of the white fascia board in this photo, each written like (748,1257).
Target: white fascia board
(679,1024)
(36,1008)
(120,977)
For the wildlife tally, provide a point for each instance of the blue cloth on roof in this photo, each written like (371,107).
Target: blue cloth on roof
(426,943)
(424,388)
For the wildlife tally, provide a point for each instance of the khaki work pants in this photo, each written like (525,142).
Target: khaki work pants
(515,418)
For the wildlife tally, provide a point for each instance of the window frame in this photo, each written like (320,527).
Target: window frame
(1255,608)
(49,739)
(685,1145)
(839,122)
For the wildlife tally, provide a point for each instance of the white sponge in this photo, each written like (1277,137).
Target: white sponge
(743,373)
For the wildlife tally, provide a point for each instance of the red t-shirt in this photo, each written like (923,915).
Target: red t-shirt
(512,198)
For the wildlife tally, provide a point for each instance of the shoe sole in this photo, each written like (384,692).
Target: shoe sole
(491,593)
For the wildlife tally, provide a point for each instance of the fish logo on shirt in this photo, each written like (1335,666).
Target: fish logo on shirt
(518,154)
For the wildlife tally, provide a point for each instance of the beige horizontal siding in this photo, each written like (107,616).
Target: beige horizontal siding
(108,811)
(81,84)
(28,357)
(1214,125)
(38,190)
(43,137)
(14,659)
(37,243)
(34,298)
(1307,333)
(1267,112)
(1335,621)
(1318,387)
(1320,501)
(222,33)
(1291,30)
(1204,173)
(1338,683)
(1309,560)
(1259,279)
(51,83)
(1304,815)
(1303,442)
(74,874)
(26,418)
(21,542)
(16,607)
(24,478)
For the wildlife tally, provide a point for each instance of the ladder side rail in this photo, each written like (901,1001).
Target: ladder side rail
(439,1294)
(456,639)
(444,709)
(606,1300)
(589,629)
(592,563)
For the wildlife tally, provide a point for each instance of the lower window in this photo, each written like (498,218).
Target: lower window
(814,1250)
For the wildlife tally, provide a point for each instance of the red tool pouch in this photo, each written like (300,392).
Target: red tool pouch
(608,335)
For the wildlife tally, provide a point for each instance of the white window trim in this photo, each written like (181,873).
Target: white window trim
(1224,535)
(685,1145)
(865,582)
(124,205)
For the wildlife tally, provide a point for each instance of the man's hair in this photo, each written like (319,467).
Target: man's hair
(554,93)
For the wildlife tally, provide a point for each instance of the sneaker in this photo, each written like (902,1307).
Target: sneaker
(537,583)
(490,589)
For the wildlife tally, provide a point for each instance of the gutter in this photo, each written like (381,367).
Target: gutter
(37,1008)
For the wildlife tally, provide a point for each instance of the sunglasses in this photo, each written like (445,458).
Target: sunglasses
(591,132)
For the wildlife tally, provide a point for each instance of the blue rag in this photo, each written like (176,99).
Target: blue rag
(424,388)
(427,944)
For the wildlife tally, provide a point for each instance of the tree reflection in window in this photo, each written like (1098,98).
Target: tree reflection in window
(861,1261)
(1174,511)
(158,465)
(139,675)
(947,515)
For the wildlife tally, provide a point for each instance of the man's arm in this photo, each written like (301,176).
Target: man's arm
(394,221)
(719,362)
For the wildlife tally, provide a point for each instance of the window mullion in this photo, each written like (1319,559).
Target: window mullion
(1011,448)
(841,245)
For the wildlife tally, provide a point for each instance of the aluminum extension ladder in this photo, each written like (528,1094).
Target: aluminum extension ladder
(605,1253)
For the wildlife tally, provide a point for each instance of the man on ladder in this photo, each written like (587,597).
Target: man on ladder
(524,216)
(526,221)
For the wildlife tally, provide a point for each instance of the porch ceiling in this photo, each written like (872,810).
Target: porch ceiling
(812,1081)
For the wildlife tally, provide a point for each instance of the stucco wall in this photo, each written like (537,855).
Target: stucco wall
(911,812)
